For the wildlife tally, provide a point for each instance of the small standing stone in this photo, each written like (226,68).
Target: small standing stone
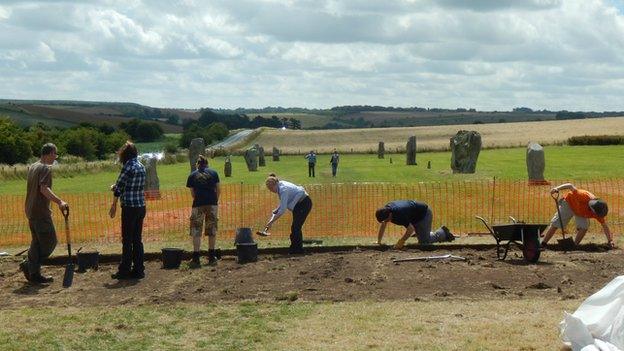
(536,163)
(152,183)
(410,150)
(227,168)
(261,160)
(276,154)
(196,148)
(465,148)
(381,150)
(251,159)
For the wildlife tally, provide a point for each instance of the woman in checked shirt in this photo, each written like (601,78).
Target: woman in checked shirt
(129,187)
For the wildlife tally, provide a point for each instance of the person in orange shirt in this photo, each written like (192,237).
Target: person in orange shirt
(583,205)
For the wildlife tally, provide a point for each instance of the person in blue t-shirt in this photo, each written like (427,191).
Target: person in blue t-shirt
(204,185)
(416,217)
(311,157)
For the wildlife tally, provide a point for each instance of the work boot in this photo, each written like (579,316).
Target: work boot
(212,257)
(122,275)
(40,279)
(195,260)
(24,268)
(137,274)
(449,236)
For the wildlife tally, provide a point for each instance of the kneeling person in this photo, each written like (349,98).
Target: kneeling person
(416,217)
(204,185)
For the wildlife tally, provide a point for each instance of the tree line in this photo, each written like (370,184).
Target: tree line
(88,141)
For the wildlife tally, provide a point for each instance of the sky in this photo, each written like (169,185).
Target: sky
(483,54)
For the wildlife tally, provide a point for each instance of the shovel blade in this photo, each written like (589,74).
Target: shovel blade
(566,244)
(68,277)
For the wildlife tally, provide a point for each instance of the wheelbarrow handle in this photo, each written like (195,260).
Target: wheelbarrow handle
(555,194)
(486,224)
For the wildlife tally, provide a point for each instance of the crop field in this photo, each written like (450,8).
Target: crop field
(436,137)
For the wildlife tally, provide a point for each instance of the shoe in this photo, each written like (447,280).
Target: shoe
(194,263)
(293,251)
(24,268)
(40,279)
(449,236)
(122,275)
(212,257)
(137,274)
(543,246)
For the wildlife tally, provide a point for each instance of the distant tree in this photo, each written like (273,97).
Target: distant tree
(14,144)
(142,131)
(294,123)
(173,119)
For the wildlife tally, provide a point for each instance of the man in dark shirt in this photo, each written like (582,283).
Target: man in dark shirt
(416,217)
(204,185)
(37,206)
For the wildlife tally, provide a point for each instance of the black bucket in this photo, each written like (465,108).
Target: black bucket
(247,252)
(88,260)
(243,236)
(171,258)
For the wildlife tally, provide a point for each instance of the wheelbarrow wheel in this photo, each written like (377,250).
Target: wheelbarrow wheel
(531,248)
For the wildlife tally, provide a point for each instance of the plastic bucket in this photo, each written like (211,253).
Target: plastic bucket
(243,236)
(171,258)
(88,260)
(247,252)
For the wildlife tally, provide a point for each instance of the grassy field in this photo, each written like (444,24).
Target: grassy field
(159,145)
(436,137)
(562,162)
(505,324)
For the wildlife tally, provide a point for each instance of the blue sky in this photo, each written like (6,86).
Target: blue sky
(484,54)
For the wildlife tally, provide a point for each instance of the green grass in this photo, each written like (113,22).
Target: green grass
(389,325)
(562,163)
(159,145)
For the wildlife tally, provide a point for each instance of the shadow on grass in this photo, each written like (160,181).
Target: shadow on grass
(29,289)
(121,284)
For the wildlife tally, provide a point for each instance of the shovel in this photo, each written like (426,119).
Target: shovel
(565,243)
(68,277)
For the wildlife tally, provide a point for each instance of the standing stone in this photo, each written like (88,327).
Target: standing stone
(410,151)
(261,160)
(276,154)
(152,183)
(196,148)
(536,163)
(227,168)
(251,159)
(381,150)
(465,148)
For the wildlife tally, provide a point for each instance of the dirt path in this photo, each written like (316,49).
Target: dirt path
(338,276)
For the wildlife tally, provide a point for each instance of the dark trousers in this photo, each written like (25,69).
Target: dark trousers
(334,169)
(300,213)
(42,243)
(131,230)
(310,169)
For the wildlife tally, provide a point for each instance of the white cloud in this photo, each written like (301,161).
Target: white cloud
(317,53)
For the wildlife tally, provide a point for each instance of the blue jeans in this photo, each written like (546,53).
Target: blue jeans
(300,213)
(424,233)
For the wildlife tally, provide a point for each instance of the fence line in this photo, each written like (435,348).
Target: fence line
(339,209)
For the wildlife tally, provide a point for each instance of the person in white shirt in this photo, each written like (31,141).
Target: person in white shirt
(294,198)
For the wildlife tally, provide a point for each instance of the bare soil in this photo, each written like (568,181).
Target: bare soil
(359,274)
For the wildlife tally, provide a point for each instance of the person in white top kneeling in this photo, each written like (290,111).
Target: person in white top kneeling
(294,198)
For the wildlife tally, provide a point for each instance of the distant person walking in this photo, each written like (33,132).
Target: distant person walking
(311,157)
(416,217)
(205,190)
(130,187)
(37,206)
(294,198)
(334,162)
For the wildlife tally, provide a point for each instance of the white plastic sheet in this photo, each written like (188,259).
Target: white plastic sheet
(598,324)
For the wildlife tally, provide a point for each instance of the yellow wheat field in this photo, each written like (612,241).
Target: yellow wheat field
(435,137)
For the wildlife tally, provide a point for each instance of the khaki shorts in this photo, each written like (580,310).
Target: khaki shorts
(208,214)
(566,215)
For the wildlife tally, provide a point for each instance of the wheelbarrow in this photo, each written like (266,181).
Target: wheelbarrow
(525,235)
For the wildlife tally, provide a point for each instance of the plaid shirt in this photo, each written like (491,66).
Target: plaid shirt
(130,184)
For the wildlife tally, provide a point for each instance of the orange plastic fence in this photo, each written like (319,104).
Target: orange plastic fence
(345,209)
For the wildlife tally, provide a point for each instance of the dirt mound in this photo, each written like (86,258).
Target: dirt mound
(329,276)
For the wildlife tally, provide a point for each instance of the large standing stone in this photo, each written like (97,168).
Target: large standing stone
(465,148)
(261,160)
(196,148)
(152,183)
(536,163)
(251,159)
(227,168)
(410,151)
(381,150)
(276,154)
